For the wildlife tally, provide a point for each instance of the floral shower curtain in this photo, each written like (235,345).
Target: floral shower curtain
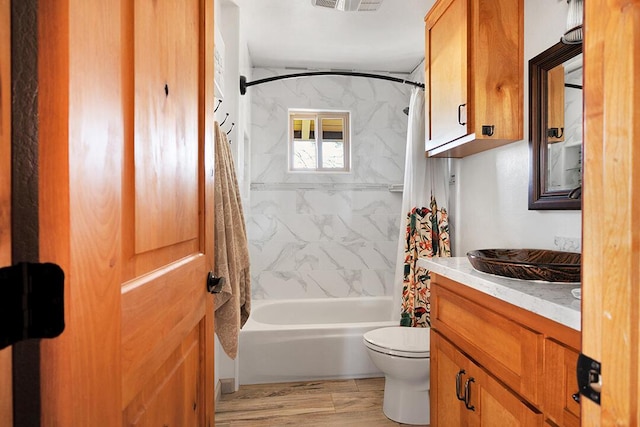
(427,235)
(424,231)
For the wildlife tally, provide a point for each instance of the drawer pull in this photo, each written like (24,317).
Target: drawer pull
(460,115)
(467,394)
(459,384)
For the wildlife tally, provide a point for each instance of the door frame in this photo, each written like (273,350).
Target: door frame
(6,383)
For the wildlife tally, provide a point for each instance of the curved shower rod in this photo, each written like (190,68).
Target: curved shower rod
(244,84)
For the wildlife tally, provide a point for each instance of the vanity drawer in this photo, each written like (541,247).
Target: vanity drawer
(511,351)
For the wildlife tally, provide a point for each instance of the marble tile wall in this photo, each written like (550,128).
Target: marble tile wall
(328,234)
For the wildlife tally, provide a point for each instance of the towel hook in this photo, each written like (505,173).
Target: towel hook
(218,106)
(225,119)
(231,128)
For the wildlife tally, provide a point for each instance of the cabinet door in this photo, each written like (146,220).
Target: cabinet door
(555,102)
(446,369)
(488,402)
(495,405)
(446,71)
(560,384)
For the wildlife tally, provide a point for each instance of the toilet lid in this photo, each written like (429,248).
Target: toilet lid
(399,341)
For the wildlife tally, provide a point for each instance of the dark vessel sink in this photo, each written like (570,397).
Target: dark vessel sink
(528,264)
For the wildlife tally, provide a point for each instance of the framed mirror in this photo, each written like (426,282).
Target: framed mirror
(555,128)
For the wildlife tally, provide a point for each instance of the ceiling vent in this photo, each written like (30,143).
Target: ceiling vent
(349,5)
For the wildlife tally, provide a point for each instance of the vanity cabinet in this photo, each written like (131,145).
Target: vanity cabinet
(496,364)
(474,68)
(468,395)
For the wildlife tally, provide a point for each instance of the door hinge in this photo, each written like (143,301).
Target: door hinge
(589,378)
(31,302)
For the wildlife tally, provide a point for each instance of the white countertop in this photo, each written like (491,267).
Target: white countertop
(551,300)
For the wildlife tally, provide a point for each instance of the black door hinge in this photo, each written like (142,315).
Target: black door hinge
(589,378)
(31,302)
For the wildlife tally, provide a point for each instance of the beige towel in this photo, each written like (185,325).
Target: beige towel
(233,304)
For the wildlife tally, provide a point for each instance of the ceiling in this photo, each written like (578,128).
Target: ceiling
(296,34)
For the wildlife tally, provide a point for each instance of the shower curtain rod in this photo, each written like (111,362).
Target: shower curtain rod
(244,84)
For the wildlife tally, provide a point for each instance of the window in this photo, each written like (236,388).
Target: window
(324,151)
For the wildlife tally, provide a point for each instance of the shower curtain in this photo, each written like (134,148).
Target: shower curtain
(424,227)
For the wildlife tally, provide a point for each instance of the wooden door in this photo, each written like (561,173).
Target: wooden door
(446,71)
(611,208)
(6,400)
(126,208)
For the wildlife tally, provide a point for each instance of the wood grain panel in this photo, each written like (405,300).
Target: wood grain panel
(611,208)
(513,352)
(560,383)
(170,397)
(168,251)
(498,406)
(446,409)
(79,199)
(158,311)
(497,56)
(6,393)
(446,44)
(119,304)
(555,101)
(552,329)
(166,53)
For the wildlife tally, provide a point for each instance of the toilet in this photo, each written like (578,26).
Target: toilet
(402,354)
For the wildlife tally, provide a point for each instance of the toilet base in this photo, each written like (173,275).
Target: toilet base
(406,403)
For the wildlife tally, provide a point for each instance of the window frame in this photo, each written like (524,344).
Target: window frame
(317,116)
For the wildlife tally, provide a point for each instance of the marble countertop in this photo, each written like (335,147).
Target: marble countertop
(551,300)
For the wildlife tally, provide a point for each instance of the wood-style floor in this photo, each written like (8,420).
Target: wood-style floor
(311,403)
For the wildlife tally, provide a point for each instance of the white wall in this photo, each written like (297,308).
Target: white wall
(228,21)
(491,190)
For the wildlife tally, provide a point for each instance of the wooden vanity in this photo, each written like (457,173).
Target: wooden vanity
(494,361)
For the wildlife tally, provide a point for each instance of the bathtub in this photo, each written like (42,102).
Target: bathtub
(310,339)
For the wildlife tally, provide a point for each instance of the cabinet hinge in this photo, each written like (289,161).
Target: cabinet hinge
(31,302)
(589,378)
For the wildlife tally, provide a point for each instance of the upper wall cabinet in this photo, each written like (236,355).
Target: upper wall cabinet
(474,66)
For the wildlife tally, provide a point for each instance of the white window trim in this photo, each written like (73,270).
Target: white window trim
(317,115)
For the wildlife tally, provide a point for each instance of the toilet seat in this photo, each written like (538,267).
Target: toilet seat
(399,341)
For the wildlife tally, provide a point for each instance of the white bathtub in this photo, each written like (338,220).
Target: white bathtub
(310,339)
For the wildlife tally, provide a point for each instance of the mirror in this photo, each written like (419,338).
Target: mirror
(555,131)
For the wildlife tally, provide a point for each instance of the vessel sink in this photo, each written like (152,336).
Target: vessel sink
(528,264)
